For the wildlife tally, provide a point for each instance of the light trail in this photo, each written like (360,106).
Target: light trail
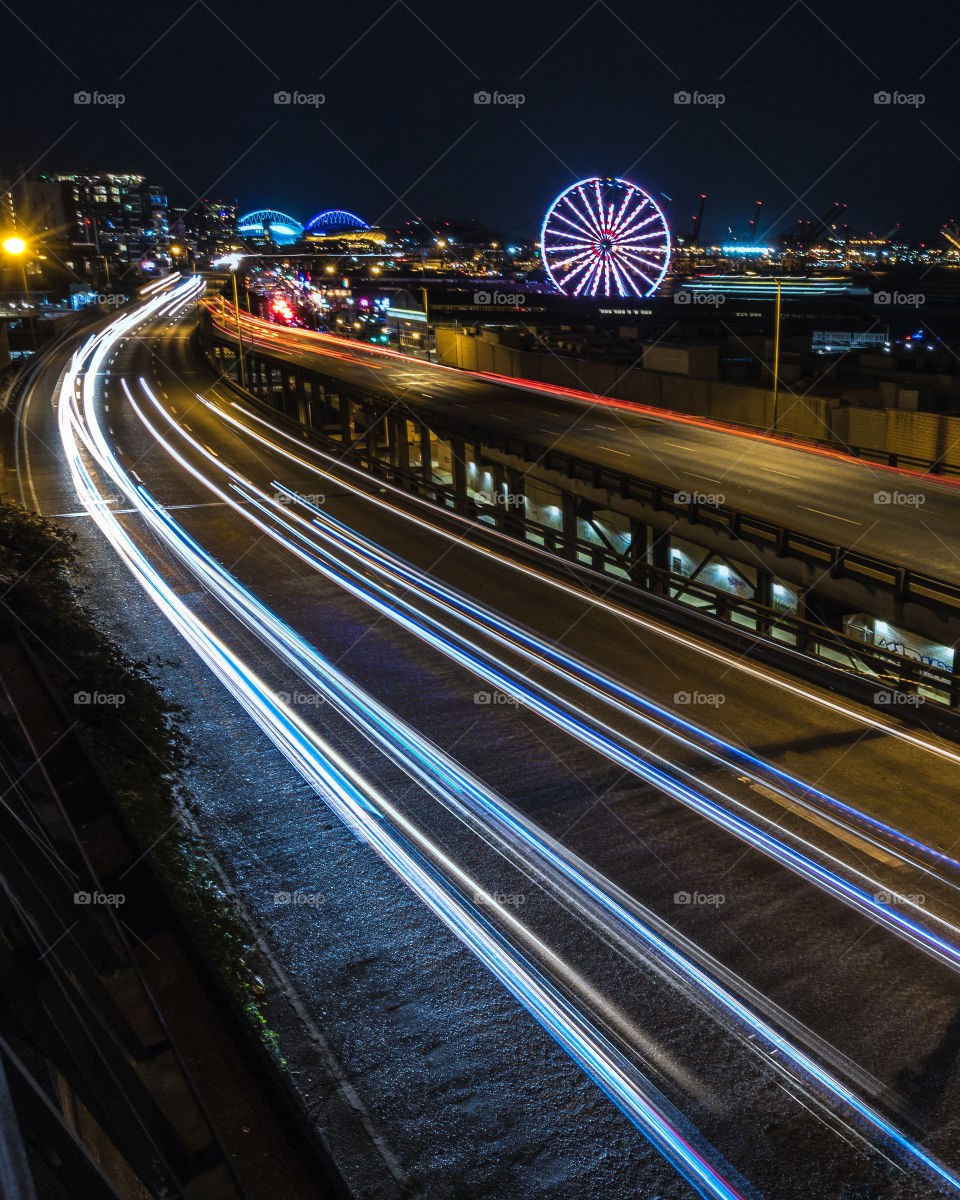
(687,641)
(313,342)
(359,805)
(568,717)
(560,861)
(597,894)
(572,670)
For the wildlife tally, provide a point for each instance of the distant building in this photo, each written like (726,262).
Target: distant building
(213,225)
(122,216)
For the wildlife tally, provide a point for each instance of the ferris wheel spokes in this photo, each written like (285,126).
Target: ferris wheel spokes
(605,236)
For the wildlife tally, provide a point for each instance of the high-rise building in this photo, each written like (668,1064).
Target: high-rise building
(122,216)
(214,224)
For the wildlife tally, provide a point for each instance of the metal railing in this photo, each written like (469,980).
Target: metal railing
(899,679)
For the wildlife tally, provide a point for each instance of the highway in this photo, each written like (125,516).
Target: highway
(725,905)
(818,494)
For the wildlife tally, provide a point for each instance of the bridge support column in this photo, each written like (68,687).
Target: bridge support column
(661,559)
(426,455)
(458,467)
(763,594)
(804,613)
(637,554)
(345,405)
(568,512)
(516,508)
(300,396)
(400,448)
(288,402)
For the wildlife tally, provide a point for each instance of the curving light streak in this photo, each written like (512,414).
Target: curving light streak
(563,864)
(687,641)
(888,1131)
(312,342)
(569,668)
(355,801)
(579,724)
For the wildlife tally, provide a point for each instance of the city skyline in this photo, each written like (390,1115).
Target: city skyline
(781,108)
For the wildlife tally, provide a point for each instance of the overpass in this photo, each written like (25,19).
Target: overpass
(794,544)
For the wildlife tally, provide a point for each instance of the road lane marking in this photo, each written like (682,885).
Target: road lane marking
(833,516)
(610,450)
(837,831)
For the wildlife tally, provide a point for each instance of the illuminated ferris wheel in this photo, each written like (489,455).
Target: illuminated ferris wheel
(605,237)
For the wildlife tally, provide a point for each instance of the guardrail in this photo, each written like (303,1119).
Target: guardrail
(899,680)
(842,562)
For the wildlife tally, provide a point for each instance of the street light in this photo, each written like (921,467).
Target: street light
(776,364)
(16,247)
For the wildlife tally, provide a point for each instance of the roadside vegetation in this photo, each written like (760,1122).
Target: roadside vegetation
(137,742)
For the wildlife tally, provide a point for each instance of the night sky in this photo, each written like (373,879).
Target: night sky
(399,134)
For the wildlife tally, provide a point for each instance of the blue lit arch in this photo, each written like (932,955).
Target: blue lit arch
(268,222)
(335,220)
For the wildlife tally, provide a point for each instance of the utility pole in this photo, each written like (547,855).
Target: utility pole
(236,309)
(776,363)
